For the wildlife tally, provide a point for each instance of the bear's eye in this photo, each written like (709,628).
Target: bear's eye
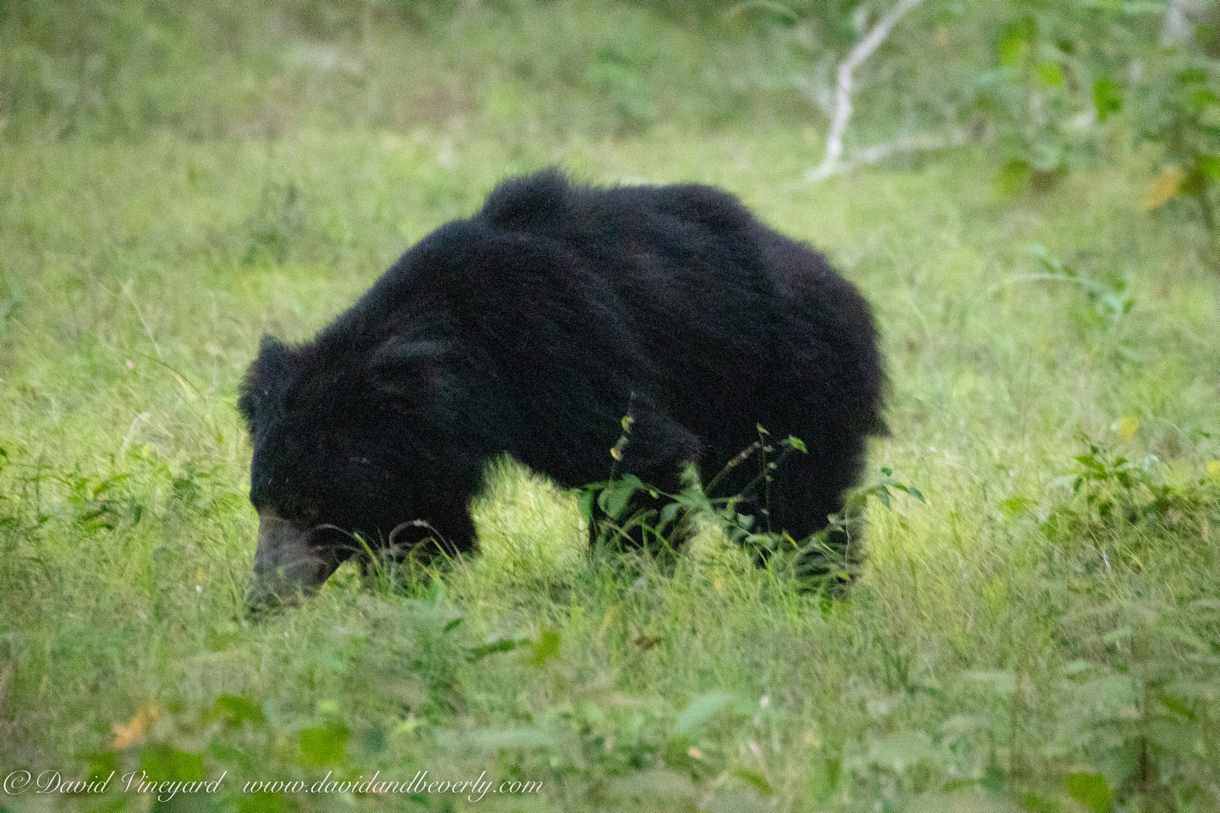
(354,458)
(300,512)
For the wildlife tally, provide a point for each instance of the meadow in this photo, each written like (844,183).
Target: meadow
(1039,632)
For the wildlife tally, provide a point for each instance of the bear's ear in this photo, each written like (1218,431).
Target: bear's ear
(266,379)
(529,202)
(409,369)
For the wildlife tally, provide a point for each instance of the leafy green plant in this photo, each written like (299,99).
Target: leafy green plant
(607,501)
(1059,77)
(1178,108)
(629,94)
(275,226)
(10,305)
(1109,295)
(1110,491)
(829,553)
(1113,504)
(100,503)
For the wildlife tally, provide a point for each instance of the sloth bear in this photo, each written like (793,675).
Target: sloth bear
(530,330)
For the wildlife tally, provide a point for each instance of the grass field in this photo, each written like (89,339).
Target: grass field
(1041,633)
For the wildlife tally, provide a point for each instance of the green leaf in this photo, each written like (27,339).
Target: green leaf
(1077,666)
(546,647)
(1209,165)
(615,496)
(1173,737)
(1178,705)
(1192,76)
(102,763)
(1034,803)
(1194,183)
(1092,463)
(1016,506)
(1107,97)
(1200,99)
(236,710)
(436,593)
(586,499)
(669,512)
(1015,176)
(700,710)
(1092,790)
(1115,635)
(1050,73)
(754,780)
(1016,41)
(324,745)
(164,763)
(499,645)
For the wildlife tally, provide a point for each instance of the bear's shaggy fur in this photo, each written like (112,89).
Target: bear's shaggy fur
(531,329)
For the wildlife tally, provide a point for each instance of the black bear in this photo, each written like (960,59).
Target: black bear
(531,329)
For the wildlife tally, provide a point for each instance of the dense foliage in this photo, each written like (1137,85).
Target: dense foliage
(1053,84)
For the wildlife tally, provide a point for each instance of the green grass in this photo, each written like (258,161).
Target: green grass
(1042,634)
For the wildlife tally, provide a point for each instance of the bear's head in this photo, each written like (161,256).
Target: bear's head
(331,426)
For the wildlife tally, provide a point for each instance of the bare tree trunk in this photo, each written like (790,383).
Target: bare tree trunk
(846,77)
(1177,27)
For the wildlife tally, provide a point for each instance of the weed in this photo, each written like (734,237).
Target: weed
(1117,507)
(275,226)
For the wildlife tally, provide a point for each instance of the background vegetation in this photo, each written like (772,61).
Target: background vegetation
(1042,633)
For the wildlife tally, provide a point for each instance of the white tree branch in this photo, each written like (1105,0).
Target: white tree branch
(846,77)
(955,136)
(1177,27)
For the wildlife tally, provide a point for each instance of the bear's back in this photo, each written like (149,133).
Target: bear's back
(548,203)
